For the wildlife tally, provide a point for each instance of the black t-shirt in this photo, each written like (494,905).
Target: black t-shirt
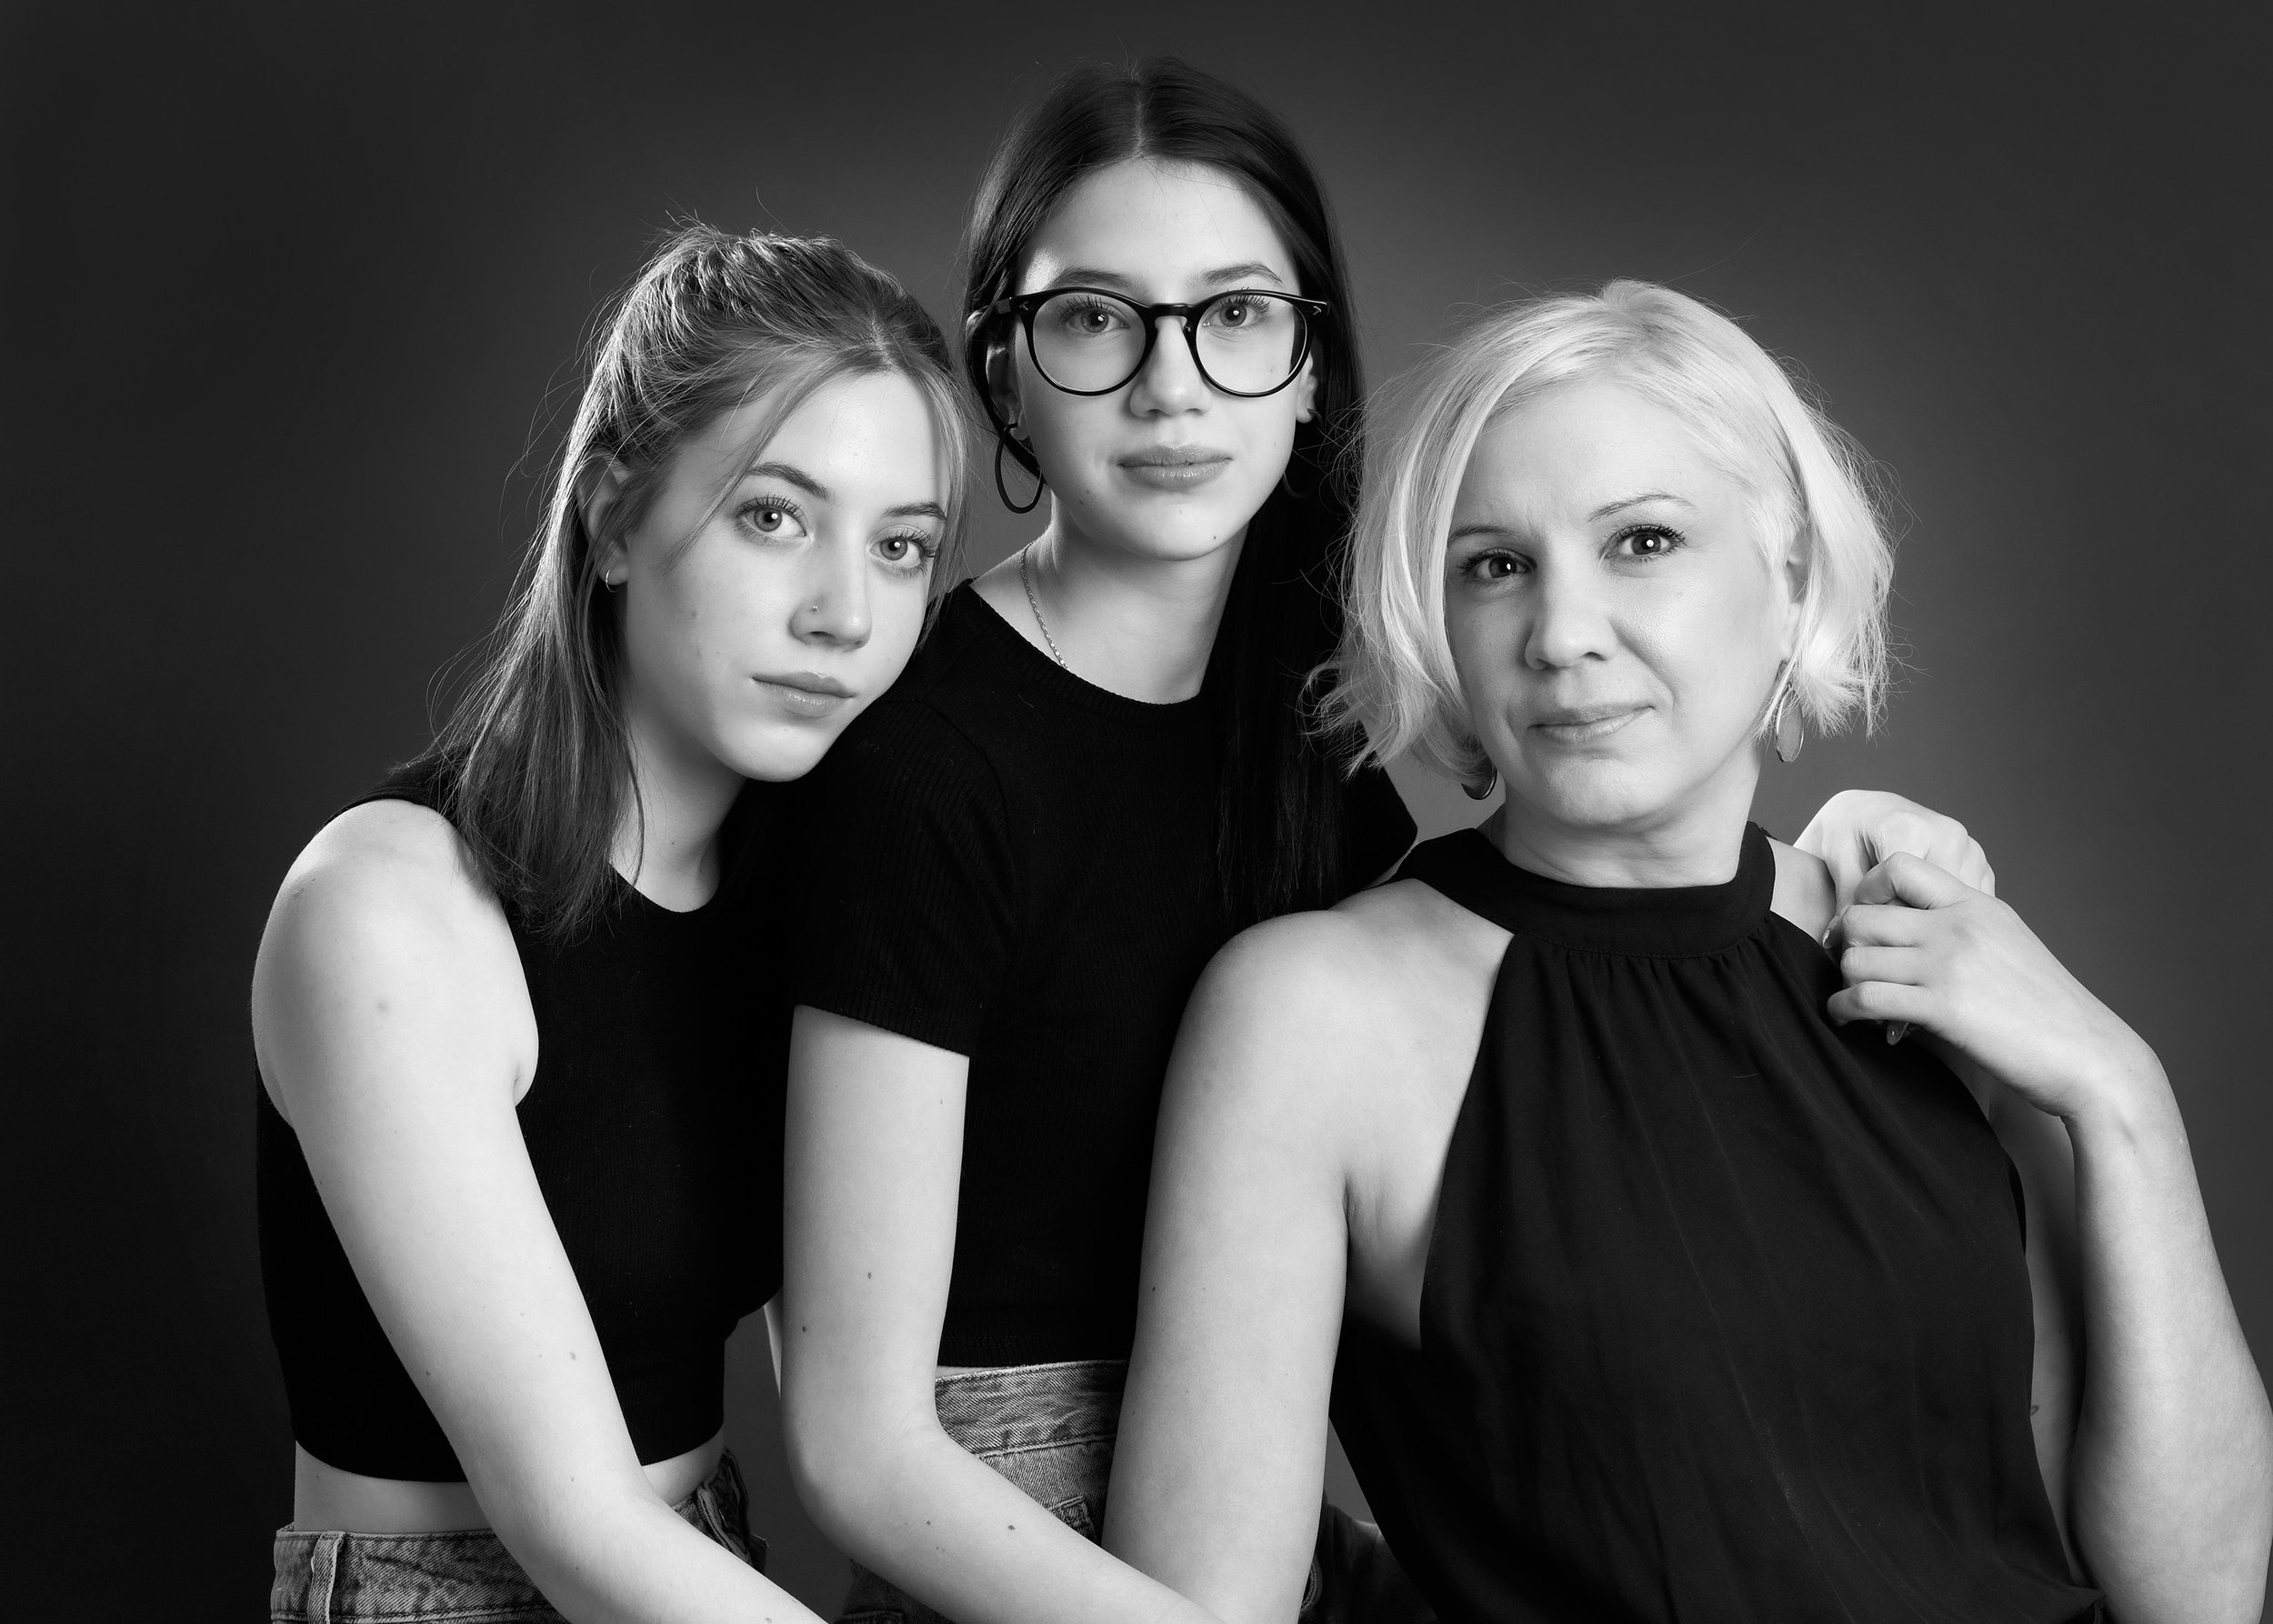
(1013,864)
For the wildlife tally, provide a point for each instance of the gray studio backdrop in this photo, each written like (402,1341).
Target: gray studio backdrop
(299,293)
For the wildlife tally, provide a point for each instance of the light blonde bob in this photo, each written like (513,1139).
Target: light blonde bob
(1393,688)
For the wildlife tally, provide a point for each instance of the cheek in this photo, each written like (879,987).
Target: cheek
(1484,654)
(1718,651)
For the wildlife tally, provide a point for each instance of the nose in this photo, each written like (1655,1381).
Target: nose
(1569,622)
(833,605)
(1170,381)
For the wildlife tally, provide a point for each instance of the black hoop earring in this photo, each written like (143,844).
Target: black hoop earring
(1002,444)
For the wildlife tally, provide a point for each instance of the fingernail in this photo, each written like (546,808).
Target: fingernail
(1897,1030)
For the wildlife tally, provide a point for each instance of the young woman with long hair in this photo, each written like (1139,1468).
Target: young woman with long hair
(1648,1280)
(1097,769)
(520,1050)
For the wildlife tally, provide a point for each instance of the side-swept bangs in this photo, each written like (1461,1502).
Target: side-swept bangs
(1394,690)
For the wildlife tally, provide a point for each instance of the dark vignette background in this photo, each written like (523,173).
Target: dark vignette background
(292,293)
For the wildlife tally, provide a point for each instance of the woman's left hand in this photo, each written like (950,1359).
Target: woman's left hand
(1920,946)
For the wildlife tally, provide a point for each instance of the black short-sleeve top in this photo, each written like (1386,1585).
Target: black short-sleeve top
(1007,862)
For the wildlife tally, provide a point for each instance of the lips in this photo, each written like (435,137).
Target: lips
(1174,468)
(1584,723)
(805,693)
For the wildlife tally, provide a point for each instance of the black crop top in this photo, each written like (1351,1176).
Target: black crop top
(653,1123)
(1007,862)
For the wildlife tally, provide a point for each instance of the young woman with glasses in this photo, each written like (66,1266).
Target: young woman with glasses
(1095,770)
(511,1127)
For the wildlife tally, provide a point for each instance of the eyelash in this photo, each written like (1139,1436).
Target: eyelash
(1473,567)
(926,550)
(1672,536)
(781,505)
(927,546)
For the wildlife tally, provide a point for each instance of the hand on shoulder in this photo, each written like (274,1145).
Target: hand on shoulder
(1923,946)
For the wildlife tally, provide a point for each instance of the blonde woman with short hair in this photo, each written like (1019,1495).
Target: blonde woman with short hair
(1665,1286)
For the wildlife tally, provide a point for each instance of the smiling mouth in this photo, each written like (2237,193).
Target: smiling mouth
(1584,725)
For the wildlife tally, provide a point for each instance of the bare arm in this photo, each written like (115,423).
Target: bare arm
(2169,1479)
(393,1027)
(875,1164)
(1265,1155)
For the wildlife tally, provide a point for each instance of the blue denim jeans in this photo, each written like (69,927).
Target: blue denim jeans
(1049,1428)
(461,1577)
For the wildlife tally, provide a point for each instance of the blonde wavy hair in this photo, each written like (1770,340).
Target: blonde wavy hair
(1393,690)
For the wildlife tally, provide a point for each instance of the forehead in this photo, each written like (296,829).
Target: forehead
(868,435)
(1577,446)
(1163,227)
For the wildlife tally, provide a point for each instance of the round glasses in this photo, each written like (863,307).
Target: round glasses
(1245,342)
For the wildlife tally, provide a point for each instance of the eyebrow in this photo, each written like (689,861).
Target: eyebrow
(789,475)
(1607,509)
(1490,527)
(1224,275)
(792,475)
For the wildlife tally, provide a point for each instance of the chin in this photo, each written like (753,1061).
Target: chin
(777,753)
(1606,795)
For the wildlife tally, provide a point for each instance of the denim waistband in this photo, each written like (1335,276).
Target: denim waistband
(1032,1407)
(459,1575)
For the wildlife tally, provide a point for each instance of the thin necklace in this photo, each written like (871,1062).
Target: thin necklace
(1034,603)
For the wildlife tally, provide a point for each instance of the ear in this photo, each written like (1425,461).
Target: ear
(597,493)
(1001,383)
(1306,390)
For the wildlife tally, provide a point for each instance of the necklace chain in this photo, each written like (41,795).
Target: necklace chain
(1034,603)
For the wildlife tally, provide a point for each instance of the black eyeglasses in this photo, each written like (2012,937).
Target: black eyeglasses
(1247,342)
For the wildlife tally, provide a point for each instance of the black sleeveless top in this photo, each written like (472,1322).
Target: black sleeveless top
(654,1122)
(1724,1315)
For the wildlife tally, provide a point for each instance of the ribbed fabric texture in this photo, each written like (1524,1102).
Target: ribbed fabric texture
(1726,1315)
(1010,863)
(654,1124)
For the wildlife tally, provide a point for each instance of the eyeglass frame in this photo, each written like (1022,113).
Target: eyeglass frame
(1023,305)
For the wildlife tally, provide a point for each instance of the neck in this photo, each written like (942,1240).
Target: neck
(1698,842)
(666,844)
(1141,627)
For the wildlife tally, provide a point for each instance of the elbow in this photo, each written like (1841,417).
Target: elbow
(843,1466)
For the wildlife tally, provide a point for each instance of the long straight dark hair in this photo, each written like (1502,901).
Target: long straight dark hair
(1281,840)
(534,766)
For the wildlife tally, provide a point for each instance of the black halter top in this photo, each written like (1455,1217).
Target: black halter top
(1725,1315)
(653,1123)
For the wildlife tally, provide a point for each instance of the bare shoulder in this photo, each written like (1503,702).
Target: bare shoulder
(1804,892)
(379,871)
(381,918)
(1372,965)
(1326,1019)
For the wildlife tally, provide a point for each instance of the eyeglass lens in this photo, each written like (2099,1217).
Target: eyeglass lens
(1250,343)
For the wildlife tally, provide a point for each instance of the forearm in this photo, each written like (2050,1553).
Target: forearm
(629,1559)
(2172,1496)
(943,1525)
